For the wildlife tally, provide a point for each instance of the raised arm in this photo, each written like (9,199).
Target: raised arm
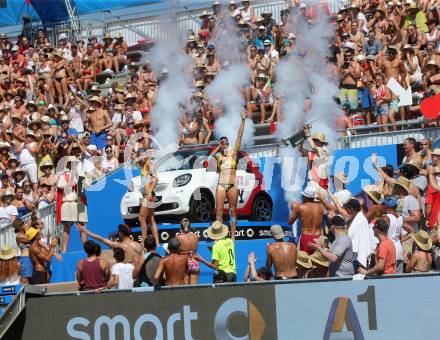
(110,243)
(240,134)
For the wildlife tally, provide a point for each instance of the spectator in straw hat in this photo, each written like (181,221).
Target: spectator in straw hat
(409,206)
(9,266)
(99,122)
(223,254)
(420,260)
(318,157)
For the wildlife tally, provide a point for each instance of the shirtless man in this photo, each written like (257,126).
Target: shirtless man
(282,255)
(132,248)
(99,123)
(174,266)
(311,214)
(393,67)
(39,255)
(350,72)
(189,243)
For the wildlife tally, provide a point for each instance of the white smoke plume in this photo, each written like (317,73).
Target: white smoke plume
(226,89)
(299,77)
(174,90)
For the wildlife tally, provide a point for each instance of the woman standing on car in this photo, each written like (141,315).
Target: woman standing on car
(227,168)
(146,212)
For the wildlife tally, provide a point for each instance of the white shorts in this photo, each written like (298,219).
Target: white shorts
(31,170)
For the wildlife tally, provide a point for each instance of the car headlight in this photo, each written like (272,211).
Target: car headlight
(182,180)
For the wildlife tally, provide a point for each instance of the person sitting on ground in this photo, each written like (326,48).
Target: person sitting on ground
(121,273)
(385,252)
(282,255)
(223,254)
(93,272)
(340,255)
(189,243)
(420,261)
(132,248)
(146,265)
(174,266)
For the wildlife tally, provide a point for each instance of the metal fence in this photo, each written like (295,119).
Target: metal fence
(375,138)
(46,214)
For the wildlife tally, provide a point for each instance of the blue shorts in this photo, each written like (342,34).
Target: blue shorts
(26,266)
(381,110)
(98,140)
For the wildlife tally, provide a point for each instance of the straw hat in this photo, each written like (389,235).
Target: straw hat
(200,83)
(192,38)
(436,152)
(118,35)
(204,15)
(31,103)
(433,62)
(323,240)
(46,120)
(262,75)
(45,164)
(31,233)
(339,17)
(107,36)
(436,169)
(119,107)
(7,252)
(320,136)
(415,162)
(4,145)
(58,53)
(199,94)
(379,9)
(318,258)
(341,177)
(303,259)
(423,240)
(7,192)
(120,88)
(96,99)
(130,96)
(403,182)
(217,231)
(374,192)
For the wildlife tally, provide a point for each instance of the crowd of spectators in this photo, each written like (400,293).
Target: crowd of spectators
(51,106)
(379,40)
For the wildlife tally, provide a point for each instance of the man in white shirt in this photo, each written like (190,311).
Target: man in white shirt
(122,273)
(360,233)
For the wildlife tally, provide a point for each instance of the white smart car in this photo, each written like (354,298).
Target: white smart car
(187,185)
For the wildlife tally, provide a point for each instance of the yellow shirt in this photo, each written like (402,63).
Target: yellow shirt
(223,251)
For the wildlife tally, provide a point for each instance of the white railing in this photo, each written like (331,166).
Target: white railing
(46,214)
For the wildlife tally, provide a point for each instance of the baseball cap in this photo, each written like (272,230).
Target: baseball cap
(390,202)
(277,232)
(266,42)
(261,27)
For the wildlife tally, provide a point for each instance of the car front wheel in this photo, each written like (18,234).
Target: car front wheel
(261,209)
(201,210)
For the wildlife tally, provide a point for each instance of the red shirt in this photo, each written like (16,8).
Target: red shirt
(386,251)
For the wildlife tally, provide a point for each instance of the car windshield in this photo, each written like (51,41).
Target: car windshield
(181,160)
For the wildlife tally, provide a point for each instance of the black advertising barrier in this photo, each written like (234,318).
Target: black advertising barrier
(227,312)
(243,232)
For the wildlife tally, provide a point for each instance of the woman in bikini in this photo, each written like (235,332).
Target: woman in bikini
(87,74)
(59,67)
(420,260)
(227,167)
(146,212)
